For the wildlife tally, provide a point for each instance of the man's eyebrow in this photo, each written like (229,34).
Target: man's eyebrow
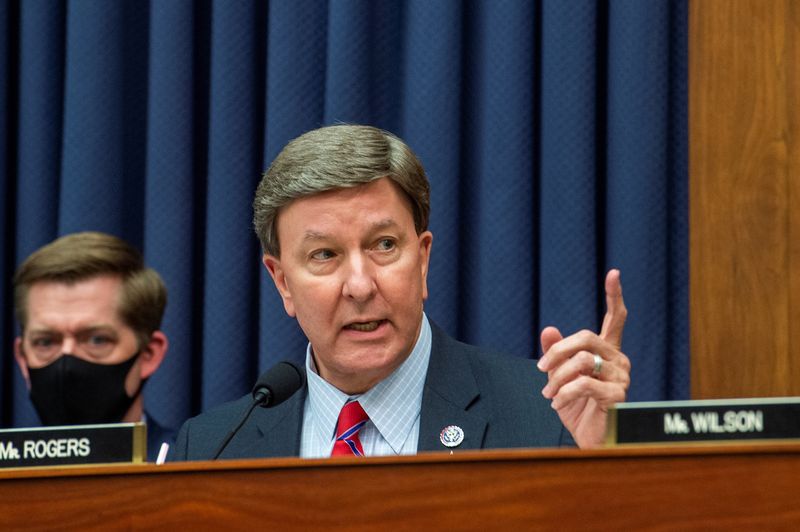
(100,327)
(83,330)
(386,223)
(312,235)
(41,330)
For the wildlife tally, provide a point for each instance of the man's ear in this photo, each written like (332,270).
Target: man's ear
(273,266)
(22,362)
(425,243)
(153,354)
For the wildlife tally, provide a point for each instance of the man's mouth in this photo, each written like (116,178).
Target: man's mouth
(364,326)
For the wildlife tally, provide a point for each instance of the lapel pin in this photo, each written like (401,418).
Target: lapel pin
(451,436)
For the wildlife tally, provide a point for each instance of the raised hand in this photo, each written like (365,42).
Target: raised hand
(588,372)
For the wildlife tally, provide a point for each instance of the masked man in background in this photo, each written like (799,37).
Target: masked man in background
(90,314)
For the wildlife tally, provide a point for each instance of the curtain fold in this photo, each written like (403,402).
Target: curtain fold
(554,135)
(497,178)
(174,215)
(7,206)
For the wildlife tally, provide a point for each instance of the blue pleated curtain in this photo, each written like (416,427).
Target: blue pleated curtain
(554,134)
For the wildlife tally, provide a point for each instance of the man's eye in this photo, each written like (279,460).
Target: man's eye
(99,339)
(322,254)
(42,342)
(386,244)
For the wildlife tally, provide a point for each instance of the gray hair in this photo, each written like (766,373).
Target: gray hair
(340,156)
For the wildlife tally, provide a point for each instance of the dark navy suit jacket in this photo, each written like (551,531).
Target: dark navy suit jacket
(495,399)
(156,435)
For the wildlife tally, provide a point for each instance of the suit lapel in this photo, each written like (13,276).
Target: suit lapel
(450,392)
(271,432)
(451,397)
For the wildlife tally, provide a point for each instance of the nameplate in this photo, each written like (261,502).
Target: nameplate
(704,421)
(73,445)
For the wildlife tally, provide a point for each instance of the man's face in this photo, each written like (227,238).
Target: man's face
(80,319)
(353,270)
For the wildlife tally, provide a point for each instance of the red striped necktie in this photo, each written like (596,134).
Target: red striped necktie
(351,419)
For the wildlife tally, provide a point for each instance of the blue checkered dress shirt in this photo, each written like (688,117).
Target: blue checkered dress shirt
(393,406)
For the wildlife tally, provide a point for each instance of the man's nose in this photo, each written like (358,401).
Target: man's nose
(68,345)
(359,283)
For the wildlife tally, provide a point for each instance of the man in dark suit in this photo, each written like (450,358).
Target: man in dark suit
(342,216)
(90,314)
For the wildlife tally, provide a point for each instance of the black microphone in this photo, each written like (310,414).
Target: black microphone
(272,388)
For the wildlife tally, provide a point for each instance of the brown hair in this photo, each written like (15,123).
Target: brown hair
(340,156)
(81,256)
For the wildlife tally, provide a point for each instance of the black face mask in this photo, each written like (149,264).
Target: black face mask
(72,391)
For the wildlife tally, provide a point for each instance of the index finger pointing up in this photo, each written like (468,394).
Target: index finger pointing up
(616,313)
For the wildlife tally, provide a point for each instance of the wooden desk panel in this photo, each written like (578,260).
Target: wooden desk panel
(685,488)
(744,183)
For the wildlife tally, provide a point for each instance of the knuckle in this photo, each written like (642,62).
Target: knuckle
(620,397)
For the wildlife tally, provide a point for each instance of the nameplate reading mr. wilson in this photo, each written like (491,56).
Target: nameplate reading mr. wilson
(709,420)
(73,445)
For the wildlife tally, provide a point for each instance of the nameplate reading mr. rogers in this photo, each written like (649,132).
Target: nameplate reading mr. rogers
(708,420)
(73,445)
